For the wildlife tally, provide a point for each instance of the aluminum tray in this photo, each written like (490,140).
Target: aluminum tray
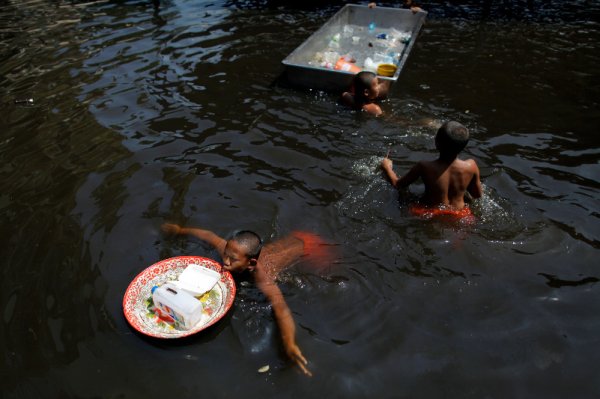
(303,66)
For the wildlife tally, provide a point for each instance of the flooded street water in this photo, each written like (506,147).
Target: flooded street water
(143,115)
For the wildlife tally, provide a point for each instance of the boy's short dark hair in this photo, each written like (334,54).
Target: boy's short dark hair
(362,82)
(249,240)
(451,138)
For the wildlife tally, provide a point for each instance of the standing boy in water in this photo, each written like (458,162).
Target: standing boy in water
(244,253)
(446,179)
(366,88)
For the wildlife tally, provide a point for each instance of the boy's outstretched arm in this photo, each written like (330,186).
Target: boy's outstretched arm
(388,168)
(283,316)
(205,235)
(347,98)
(399,182)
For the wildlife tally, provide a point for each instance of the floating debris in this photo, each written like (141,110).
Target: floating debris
(264,369)
(27,101)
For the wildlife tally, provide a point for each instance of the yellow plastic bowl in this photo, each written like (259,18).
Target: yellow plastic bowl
(386,69)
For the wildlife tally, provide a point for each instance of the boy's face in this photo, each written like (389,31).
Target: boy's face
(373,91)
(235,259)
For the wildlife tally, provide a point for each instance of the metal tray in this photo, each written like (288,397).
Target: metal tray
(307,67)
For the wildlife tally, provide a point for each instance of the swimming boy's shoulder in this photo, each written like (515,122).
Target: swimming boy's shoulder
(439,166)
(425,165)
(372,108)
(465,164)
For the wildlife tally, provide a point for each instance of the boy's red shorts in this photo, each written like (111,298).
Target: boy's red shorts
(428,212)
(317,251)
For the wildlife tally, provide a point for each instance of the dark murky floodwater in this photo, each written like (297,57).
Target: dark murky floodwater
(144,115)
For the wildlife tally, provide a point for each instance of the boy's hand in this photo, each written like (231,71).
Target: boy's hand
(295,355)
(170,228)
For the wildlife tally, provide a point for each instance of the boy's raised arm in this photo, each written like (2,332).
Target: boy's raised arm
(283,316)
(413,174)
(399,182)
(388,168)
(205,235)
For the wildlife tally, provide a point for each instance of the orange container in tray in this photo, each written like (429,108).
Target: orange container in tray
(344,65)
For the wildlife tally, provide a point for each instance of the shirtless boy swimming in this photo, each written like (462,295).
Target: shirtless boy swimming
(447,178)
(245,253)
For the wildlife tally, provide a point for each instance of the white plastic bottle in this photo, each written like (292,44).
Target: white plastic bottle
(369,65)
(177,304)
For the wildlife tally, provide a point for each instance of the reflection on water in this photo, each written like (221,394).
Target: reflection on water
(143,114)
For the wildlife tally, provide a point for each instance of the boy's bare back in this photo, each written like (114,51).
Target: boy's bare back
(280,254)
(446,184)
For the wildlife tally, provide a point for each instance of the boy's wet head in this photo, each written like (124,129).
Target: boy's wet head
(451,138)
(365,86)
(242,251)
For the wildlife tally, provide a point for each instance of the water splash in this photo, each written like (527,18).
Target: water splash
(495,217)
(367,168)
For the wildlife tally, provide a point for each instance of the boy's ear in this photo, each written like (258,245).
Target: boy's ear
(252,264)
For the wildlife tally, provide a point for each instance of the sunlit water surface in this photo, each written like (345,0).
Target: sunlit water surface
(142,115)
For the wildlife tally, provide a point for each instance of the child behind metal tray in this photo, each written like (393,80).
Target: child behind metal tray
(366,89)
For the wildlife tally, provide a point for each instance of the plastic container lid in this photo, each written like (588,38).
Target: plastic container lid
(197,280)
